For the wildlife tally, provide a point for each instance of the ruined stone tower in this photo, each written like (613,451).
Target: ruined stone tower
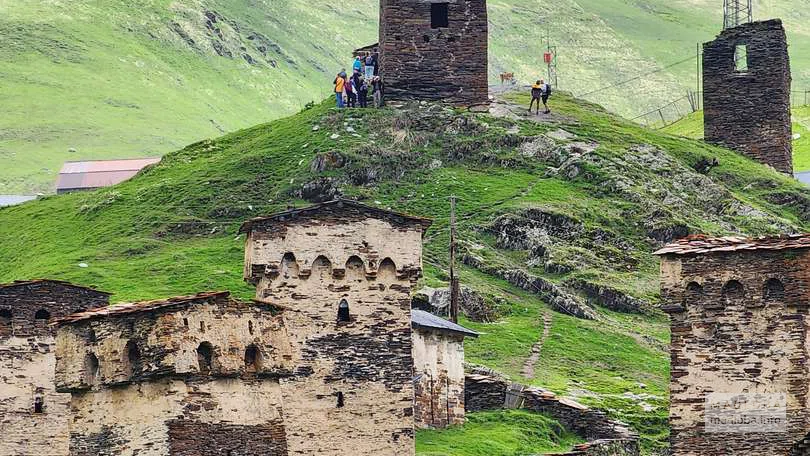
(188,376)
(33,416)
(739,315)
(434,50)
(343,273)
(746,94)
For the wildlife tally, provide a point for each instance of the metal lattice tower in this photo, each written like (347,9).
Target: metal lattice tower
(737,12)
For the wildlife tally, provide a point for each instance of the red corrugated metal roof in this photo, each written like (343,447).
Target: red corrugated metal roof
(694,245)
(144,306)
(99,173)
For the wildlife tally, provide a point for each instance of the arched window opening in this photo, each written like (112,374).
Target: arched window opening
(202,326)
(185,322)
(42,314)
(250,327)
(91,336)
(289,266)
(340,400)
(39,405)
(253,359)
(387,271)
(774,290)
(322,268)
(355,269)
(343,311)
(133,357)
(91,369)
(205,357)
(733,292)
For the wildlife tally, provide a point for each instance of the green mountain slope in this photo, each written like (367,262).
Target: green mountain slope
(86,79)
(550,209)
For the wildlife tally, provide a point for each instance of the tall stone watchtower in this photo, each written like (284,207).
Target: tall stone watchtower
(746,93)
(739,315)
(343,273)
(33,416)
(434,50)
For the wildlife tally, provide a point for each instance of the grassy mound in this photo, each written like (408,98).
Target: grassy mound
(578,200)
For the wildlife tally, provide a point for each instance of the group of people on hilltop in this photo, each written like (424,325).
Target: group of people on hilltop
(352,91)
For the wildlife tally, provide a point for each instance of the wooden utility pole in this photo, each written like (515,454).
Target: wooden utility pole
(454,288)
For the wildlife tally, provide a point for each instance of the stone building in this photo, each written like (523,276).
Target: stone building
(438,370)
(746,93)
(188,376)
(434,50)
(739,315)
(343,273)
(33,416)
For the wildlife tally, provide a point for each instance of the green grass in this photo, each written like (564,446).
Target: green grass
(691,126)
(113,79)
(173,228)
(498,433)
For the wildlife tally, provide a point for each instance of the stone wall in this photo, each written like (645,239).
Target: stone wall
(353,392)
(606,437)
(27,363)
(750,111)
(739,325)
(141,383)
(446,63)
(438,379)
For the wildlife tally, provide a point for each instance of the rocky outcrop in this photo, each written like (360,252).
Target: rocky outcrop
(608,297)
(471,304)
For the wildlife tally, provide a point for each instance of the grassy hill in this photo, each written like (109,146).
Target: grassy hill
(86,79)
(691,126)
(550,209)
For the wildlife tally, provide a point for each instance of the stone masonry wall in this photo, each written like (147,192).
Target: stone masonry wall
(353,390)
(161,399)
(27,364)
(750,111)
(425,63)
(739,325)
(438,379)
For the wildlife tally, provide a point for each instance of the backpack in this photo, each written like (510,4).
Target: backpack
(548,90)
(369,60)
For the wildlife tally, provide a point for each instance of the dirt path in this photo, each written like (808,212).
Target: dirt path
(528,366)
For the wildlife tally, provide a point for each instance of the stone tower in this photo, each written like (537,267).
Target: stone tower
(746,93)
(187,376)
(434,50)
(343,273)
(739,315)
(33,416)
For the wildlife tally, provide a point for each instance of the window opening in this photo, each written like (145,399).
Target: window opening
(205,353)
(252,359)
(39,405)
(42,314)
(91,367)
(340,400)
(439,15)
(741,58)
(343,311)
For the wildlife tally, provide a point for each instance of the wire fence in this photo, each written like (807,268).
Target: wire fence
(676,110)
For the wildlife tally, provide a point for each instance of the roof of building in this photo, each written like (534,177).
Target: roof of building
(13,200)
(143,306)
(426,320)
(100,173)
(364,49)
(695,245)
(22,283)
(331,207)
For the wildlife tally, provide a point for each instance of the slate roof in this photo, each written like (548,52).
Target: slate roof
(21,283)
(143,306)
(80,175)
(335,208)
(694,245)
(426,320)
(13,200)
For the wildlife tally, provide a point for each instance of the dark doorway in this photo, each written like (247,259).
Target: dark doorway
(439,15)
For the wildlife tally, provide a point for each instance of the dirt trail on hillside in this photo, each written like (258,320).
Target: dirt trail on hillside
(534,357)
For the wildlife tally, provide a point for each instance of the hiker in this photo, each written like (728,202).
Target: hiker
(362,92)
(540,93)
(369,66)
(350,93)
(545,94)
(376,58)
(340,92)
(358,65)
(376,91)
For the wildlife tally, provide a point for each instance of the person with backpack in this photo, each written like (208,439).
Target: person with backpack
(340,88)
(376,91)
(358,65)
(369,66)
(545,94)
(362,92)
(540,93)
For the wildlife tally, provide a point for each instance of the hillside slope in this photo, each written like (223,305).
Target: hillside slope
(114,79)
(558,219)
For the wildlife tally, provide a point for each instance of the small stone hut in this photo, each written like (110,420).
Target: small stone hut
(739,316)
(33,416)
(746,93)
(434,50)
(188,376)
(438,370)
(343,273)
